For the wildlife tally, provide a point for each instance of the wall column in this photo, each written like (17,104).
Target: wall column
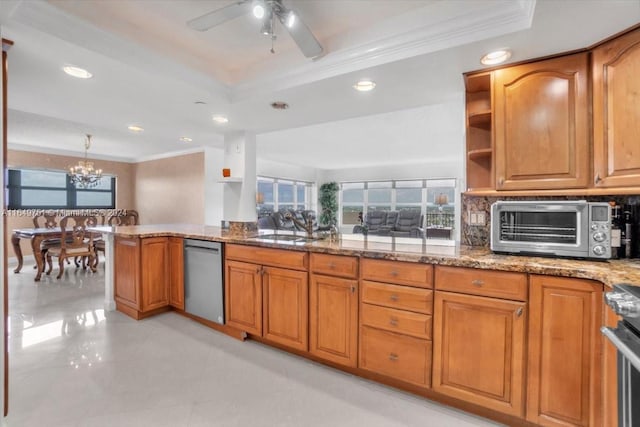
(239,201)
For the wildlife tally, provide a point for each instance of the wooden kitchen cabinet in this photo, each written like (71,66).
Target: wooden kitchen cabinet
(565,352)
(616,111)
(265,298)
(479,350)
(541,124)
(243,296)
(285,307)
(333,308)
(396,303)
(176,272)
(479,113)
(141,280)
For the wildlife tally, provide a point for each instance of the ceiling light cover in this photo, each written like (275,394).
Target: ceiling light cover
(218,118)
(135,128)
(77,72)
(84,175)
(496,57)
(185,139)
(364,85)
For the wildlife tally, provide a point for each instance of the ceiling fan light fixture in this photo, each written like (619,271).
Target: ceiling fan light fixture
(258,9)
(291,19)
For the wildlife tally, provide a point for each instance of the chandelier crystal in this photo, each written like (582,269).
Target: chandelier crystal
(84,175)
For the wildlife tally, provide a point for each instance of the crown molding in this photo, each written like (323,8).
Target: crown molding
(169,154)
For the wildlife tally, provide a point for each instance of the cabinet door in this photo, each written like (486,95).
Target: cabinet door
(285,310)
(333,323)
(176,272)
(154,260)
(127,274)
(542,125)
(479,350)
(243,296)
(565,346)
(616,112)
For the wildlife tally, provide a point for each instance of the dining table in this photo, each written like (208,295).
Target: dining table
(36,236)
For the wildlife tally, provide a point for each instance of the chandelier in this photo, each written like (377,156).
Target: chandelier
(83,174)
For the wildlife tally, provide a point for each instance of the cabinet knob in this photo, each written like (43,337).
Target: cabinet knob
(519,311)
(477,282)
(501,182)
(393,273)
(331,265)
(598,179)
(394,297)
(393,357)
(393,321)
(353,289)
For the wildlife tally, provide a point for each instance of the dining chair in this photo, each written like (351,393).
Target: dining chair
(47,219)
(75,242)
(129,217)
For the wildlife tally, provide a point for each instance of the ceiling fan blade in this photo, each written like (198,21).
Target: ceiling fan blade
(304,38)
(217,17)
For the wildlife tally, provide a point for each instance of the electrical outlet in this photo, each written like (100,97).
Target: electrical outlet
(480,218)
(477,218)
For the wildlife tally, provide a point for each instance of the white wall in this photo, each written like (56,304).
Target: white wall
(213,190)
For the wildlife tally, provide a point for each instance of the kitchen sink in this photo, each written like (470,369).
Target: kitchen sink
(286,238)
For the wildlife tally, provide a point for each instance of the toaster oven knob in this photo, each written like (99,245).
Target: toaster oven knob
(594,227)
(599,250)
(627,308)
(599,237)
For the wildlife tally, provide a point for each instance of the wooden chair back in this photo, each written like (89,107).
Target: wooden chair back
(74,232)
(45,220)
(130,217)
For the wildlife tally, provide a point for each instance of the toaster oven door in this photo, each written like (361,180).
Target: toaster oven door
(540,228)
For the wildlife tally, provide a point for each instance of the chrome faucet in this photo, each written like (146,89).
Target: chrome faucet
(308,227)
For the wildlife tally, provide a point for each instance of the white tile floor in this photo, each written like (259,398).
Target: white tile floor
(72,364)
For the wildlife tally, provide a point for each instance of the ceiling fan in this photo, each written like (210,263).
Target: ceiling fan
(267,11)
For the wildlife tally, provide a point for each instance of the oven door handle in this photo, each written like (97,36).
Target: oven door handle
(622,342)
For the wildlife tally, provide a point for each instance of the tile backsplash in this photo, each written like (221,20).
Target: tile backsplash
(478,235)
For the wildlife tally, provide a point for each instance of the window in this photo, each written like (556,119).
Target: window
(46,189)
(433,198)
(273,194)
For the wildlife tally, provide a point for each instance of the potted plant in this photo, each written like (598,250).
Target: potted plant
(328,198)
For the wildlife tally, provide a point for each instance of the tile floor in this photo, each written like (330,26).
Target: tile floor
(72,364)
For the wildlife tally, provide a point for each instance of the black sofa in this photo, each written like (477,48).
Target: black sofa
(404,223)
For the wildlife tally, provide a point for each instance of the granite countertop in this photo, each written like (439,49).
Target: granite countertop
(404,249)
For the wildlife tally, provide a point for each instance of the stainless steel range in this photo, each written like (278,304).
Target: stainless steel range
(625,301)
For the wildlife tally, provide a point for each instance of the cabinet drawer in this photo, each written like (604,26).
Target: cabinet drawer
(295,260)
(394,296)
(399,356)
(334,265)
(403,273)
(400,321)
(499,284)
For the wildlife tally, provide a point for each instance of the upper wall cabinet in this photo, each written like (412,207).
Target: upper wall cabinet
(541,118)
(616,112)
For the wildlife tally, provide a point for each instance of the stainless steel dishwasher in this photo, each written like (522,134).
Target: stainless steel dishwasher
(203,284)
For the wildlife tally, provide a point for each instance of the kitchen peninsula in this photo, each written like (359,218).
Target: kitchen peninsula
(455,324)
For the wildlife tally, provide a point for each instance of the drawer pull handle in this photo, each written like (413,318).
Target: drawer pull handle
(394,297)
(393,357)
(477,282)
(393,273)
(393,321)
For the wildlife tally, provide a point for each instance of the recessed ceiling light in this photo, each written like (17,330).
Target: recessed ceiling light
(219,118)
(364,85)
(496,57)
(77,72)
(185,139)
(279,105)
(134,128)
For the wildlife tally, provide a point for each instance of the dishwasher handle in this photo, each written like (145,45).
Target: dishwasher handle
(201,248)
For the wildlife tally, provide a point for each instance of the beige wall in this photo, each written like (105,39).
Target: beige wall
(170,190)
(125,195)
